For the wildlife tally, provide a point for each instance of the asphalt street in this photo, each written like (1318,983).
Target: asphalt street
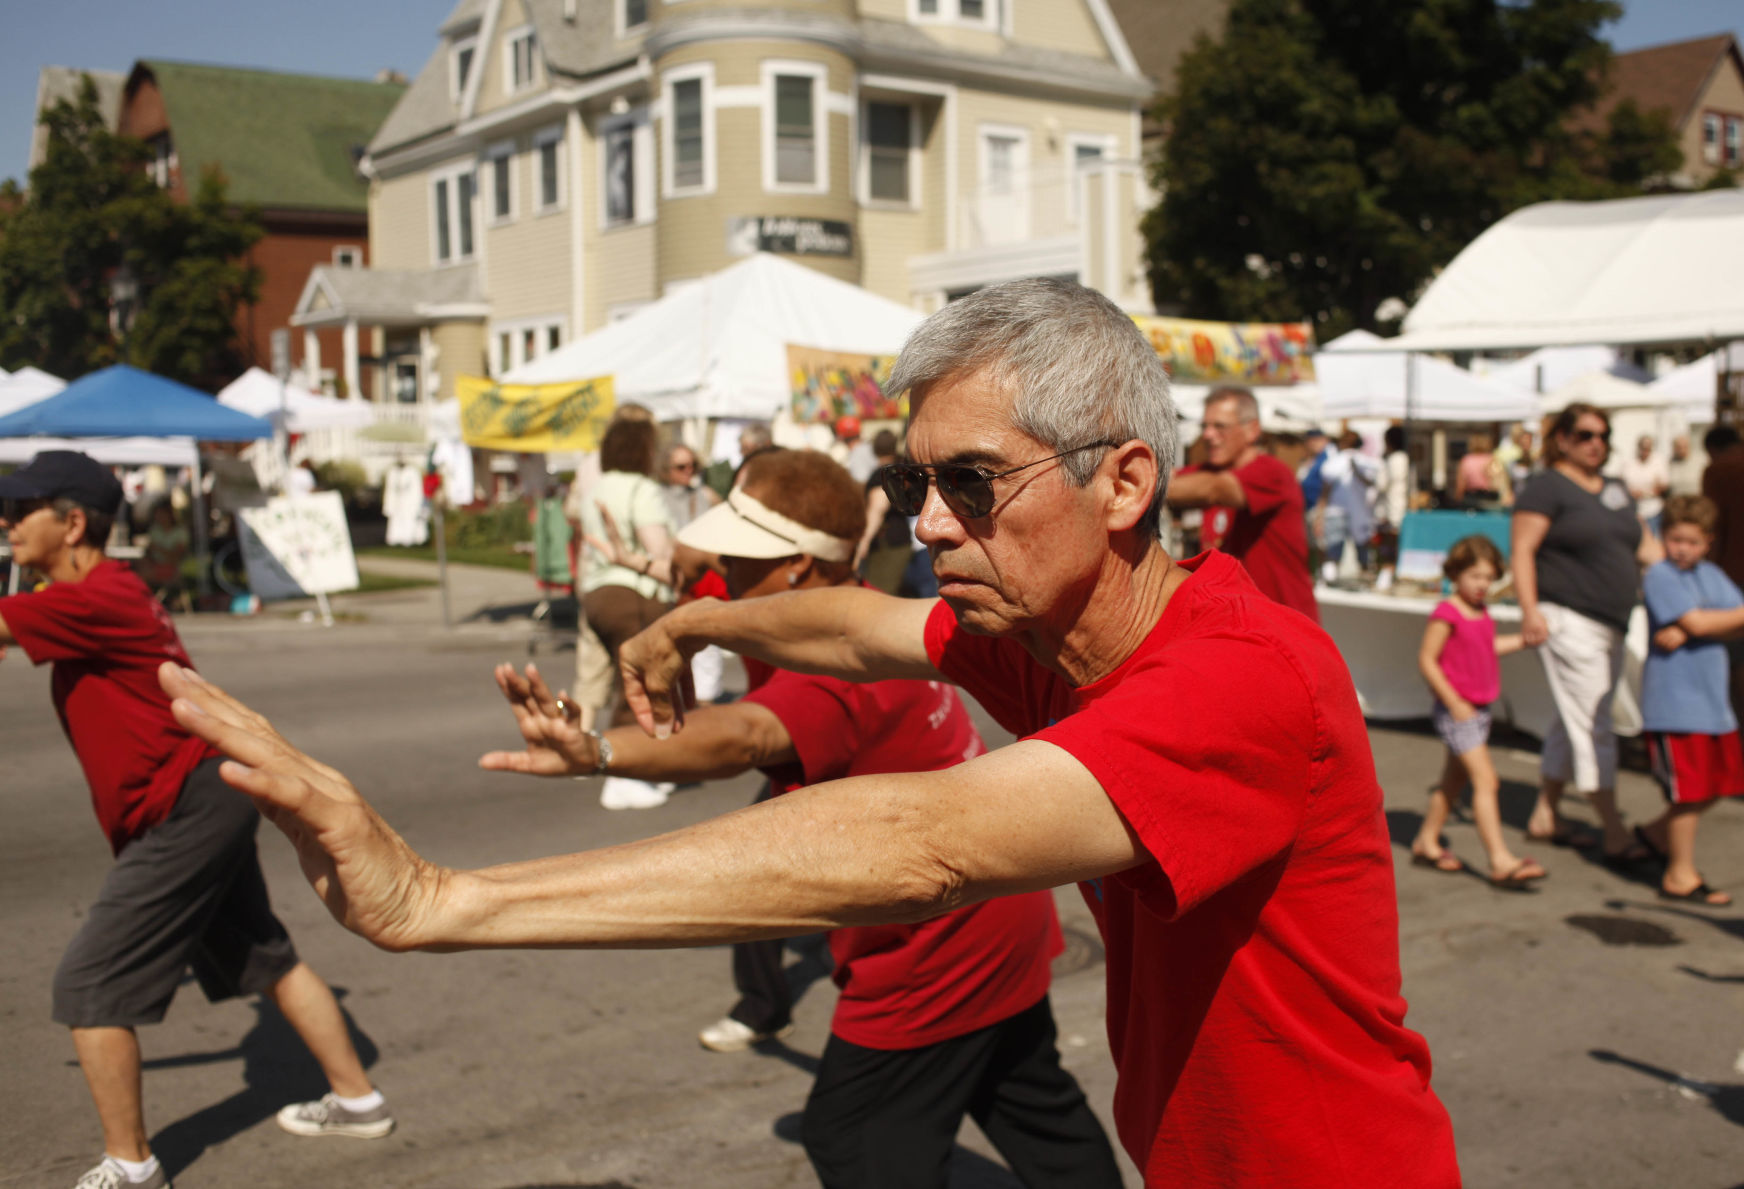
(1584,1035)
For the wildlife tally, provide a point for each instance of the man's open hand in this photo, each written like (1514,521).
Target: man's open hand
(556,744)
(371,881)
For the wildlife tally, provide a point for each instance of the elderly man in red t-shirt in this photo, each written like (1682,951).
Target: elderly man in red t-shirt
(935,1020)
(1253,503)
(186,888)
(1194,759)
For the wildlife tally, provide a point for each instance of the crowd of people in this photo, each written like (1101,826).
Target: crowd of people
(1192,757)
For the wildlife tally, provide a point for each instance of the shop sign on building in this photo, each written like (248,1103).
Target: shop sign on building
(789,236)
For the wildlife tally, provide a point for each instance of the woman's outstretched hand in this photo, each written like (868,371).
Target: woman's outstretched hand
(550,724)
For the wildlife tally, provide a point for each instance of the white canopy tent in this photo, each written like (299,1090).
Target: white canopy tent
(717,348)
(1358,377)
(258,394)
(1549,368)
(1632,271)
(26,386)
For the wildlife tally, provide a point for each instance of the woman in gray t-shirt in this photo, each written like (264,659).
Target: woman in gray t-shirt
(1578,551)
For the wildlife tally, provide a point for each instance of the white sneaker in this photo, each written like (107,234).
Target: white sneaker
(328,1116)
(109,1175)
(728,1035)
(621,792)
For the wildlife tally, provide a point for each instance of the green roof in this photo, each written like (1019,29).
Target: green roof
(282,140)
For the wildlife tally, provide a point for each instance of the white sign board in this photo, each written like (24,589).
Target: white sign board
(297,546)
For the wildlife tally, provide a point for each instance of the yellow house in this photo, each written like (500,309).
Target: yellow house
(558,163)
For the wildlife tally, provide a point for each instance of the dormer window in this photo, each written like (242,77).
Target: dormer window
(522,49)
(460,57)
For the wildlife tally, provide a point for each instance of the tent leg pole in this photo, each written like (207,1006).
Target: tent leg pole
(202,545)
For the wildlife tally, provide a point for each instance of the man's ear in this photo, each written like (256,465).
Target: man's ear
(76,526)
(1132,475)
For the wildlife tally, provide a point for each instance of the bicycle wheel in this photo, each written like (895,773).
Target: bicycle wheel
(228,571)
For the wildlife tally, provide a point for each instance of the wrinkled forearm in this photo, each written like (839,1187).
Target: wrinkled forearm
(847,632)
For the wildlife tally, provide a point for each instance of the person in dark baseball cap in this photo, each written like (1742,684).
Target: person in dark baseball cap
(65,475)
(186,887)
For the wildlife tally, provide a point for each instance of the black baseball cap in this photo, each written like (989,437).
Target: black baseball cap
(65,474)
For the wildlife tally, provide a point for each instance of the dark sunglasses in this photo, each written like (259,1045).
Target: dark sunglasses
(966,490)
(1582,436)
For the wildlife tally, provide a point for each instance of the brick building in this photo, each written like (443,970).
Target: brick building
(287,145)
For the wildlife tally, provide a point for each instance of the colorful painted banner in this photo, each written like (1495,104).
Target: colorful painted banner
(1232,352)
(534,418)
(828,384)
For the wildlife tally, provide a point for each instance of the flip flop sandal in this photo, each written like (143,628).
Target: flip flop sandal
(1696,895)
(1514,881)
(1628,859)
(1439,862)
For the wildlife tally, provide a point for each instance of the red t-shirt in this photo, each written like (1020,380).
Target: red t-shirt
(106,637)
(1253,965)
(1269,536)
(905,986)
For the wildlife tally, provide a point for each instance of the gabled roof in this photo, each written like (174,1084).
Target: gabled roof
(1160,33)
(283,141)
(55,83)
(388,297)
(1671,77)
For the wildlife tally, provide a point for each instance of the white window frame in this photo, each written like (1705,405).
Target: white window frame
(1021,183)
(511,38)
(452,175)
(457,84)
(620,18)
(516,329)
(637,121)
(950,12)
(915,156)
(1732,141)
(503,150)
(541,138)
(1107,142)
(819,74)
(341,251)
(705,73)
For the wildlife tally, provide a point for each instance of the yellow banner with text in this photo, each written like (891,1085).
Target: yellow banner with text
(534,418)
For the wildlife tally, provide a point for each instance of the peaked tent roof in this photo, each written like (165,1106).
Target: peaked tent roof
(718,348)
(282,140)
(259,394)
(1359,377)
(26,386)
(1660,270)
(121,401)
(1549,368)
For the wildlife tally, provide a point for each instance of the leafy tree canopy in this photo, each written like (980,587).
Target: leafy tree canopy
(92,210)
(1326,155)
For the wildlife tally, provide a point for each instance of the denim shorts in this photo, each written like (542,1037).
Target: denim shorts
(1461,737)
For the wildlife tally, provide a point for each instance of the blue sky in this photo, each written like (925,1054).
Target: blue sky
(358,37)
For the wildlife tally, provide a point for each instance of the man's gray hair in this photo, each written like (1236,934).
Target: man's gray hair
(1246,407)
(1078,370)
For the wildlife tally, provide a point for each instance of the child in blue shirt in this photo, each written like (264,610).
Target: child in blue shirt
(1692,733)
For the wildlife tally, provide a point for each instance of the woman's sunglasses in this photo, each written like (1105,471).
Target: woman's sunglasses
(13,511)
(1581,437)
(966,490)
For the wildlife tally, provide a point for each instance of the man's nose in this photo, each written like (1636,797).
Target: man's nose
(936,521)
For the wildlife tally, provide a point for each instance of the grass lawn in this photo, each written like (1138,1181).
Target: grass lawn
(501,556)
(368,583)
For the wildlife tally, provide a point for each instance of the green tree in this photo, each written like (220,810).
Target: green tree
(1326,155)
(92,211)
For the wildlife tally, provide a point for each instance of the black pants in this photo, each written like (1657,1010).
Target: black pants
(880,1119)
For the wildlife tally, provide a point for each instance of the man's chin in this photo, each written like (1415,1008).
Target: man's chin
(976,619)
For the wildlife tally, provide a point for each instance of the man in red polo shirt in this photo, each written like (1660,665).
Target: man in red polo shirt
(1253,503)
(186,888)
(1193,759)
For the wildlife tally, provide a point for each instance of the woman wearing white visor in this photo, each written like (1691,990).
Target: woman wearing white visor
(935,1020)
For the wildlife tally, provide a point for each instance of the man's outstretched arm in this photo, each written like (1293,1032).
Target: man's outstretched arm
(847,632)
(873,849)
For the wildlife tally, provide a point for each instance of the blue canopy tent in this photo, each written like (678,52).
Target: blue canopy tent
(122,402)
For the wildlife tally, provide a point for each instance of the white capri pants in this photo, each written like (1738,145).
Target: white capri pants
(1583,660)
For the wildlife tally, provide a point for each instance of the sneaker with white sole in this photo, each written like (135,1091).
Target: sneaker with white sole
(728,1035)
(328,1116)
(110,1175)
(622,792)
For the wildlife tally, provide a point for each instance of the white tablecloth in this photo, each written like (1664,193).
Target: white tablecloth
(1379,635)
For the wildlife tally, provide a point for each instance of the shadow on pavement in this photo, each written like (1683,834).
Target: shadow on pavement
(1731,926)
(969,1170)
(276,1069)
(1728,1100)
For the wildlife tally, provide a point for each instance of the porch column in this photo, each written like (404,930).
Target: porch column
(311,359)
(353,386)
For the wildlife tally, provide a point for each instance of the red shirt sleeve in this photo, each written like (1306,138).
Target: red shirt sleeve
(1267,483)
(1214,780)
(62,622)
(819,714)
